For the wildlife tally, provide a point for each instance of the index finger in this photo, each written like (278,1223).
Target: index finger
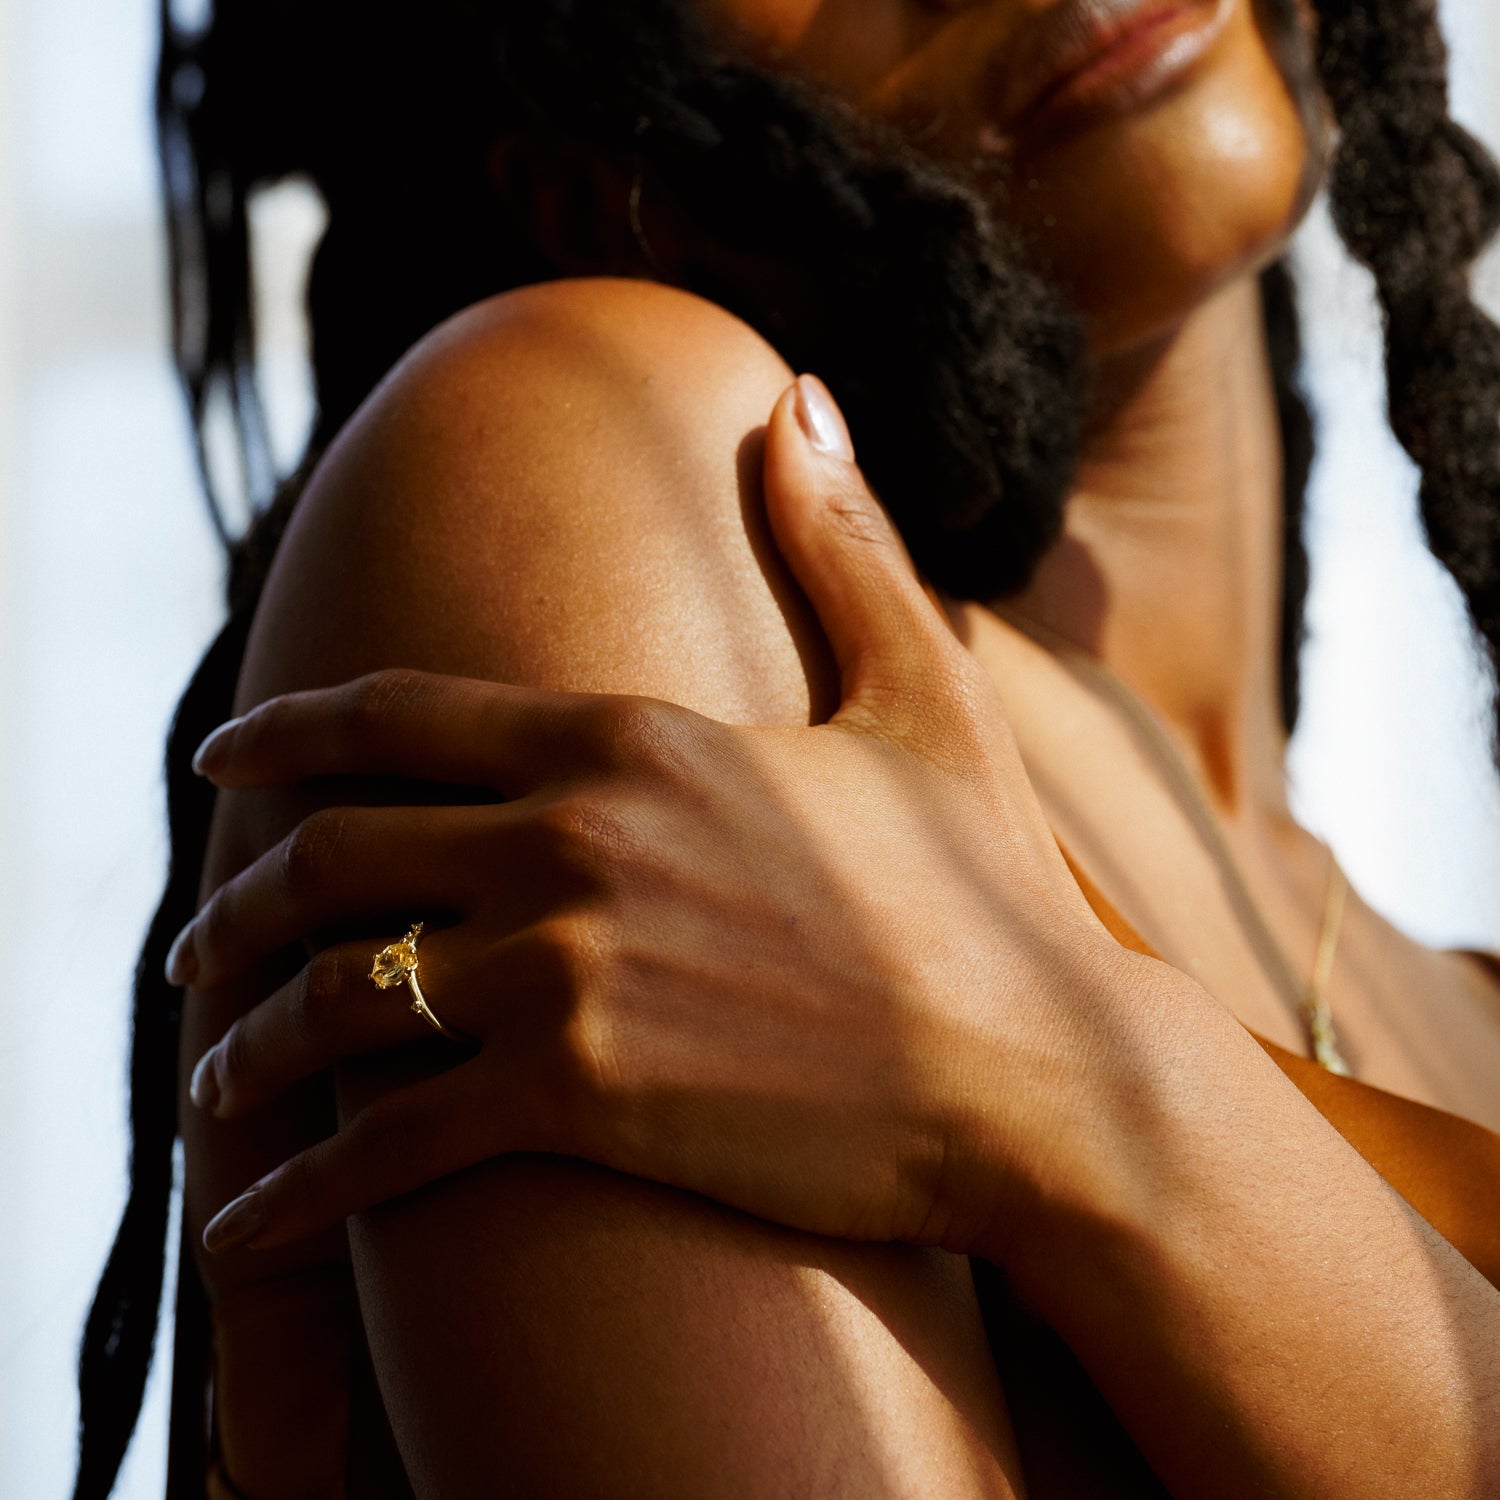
(417,725)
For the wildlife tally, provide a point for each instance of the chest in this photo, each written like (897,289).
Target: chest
(1240,907)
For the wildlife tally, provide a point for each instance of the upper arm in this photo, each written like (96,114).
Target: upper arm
(561,489)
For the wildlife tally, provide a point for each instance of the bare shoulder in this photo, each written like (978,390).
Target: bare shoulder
(579,378)
(616,329)
(559,485)
(588,348)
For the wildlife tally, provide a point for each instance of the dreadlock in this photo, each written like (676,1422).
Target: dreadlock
(399,116)
(1416,199)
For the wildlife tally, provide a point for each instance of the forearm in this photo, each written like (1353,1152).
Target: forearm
(591,1334)
(1264,1313)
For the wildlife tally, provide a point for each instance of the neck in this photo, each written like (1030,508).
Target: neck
(1169,566)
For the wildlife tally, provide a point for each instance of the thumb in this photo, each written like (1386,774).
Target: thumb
(890,638)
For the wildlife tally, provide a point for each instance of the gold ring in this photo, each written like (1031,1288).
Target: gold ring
(397,964)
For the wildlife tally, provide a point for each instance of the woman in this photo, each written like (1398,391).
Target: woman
(1023,944)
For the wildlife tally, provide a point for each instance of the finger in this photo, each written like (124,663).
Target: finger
(338,865)
(890,639)
(331,1010)
(404,1140)
(417,725)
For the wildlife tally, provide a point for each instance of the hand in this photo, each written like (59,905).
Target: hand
(832,975)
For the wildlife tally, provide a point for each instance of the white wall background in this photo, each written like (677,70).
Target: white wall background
(108,584)
(1390,761)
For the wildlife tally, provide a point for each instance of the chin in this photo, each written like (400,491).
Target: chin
(1144,219)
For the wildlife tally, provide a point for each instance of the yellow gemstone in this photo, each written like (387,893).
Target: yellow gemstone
(393,964)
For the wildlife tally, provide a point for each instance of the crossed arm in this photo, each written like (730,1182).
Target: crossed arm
(599,1333)
(542,1326)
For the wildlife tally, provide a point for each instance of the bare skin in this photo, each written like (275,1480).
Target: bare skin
(1223,1352)
(623,551)
(1169,572)
(883,1382)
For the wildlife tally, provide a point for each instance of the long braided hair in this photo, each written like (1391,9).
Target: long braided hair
(400,114)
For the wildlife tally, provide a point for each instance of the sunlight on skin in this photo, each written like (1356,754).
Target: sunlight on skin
(1103,206)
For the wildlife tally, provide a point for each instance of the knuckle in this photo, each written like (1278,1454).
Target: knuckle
(587,1067)
(213,927)
(593,719)
(630,731)
(648,733)
(561,827)
(855,518)
(260,729)
(319,992)
(377,696)
(297,1185)
(308,851)
(566,959)
(236,1061)
(386,1138)
(588,836)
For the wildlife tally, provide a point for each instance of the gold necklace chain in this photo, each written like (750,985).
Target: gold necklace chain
(1310,1001)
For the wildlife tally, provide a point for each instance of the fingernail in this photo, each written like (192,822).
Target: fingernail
(214,751)
(182,961)
(204,1089)
(236,1222)
(821,420)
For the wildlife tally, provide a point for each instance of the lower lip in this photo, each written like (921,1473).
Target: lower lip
(1141,66)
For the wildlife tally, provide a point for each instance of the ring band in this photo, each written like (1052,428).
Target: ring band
(397,964)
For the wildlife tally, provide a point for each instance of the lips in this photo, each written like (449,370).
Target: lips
(1086,58)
